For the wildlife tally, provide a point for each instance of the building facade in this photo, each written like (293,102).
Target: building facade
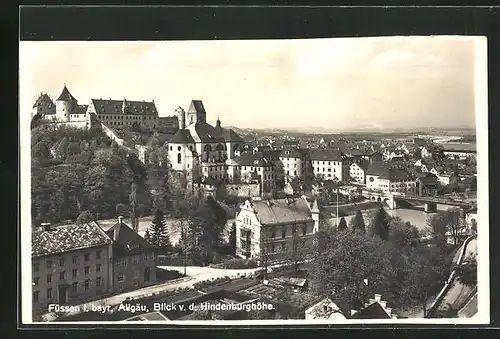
(70,264)
(330,164)
(357,171)
(134,259)
(200,150)
(267,227)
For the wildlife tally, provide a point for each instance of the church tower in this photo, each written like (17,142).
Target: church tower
(65,104)
(196,113)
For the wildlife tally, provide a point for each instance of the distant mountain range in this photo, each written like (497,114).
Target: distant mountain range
(361,129)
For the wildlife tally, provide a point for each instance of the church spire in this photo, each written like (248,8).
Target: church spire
(218,122)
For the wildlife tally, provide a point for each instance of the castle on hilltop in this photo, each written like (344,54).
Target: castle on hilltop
(112,113)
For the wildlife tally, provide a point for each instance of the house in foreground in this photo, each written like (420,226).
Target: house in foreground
(134,259)
(70,264)
(267,227)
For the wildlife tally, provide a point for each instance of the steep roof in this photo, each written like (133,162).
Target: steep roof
(67,238)
(397,175)
(196,107)
(378,168)
(326,155)
(65,95)
(204,132)
(182,136)
(131,107)
(126,241)
(228,134)
(363,164)
(44,100)
(80,109)
(373,311)
(281,211)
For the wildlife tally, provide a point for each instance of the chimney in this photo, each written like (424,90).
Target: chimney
(46,226)
(120,219)
(115,234)
(378,297)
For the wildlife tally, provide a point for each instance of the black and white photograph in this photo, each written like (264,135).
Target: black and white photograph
(301,181)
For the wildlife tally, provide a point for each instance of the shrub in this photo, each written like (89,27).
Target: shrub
(239,264)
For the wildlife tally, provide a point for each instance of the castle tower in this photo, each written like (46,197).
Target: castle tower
(65,104)
(181,117)
(217,123)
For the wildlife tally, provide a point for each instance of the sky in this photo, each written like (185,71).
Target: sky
(339,83)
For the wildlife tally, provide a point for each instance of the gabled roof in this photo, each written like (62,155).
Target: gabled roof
(131,107)
(396,175)
(373,311)
(203,132)
(250,159)
(363,164)
(126,241)
(67,238)
(281,211)
(65,95)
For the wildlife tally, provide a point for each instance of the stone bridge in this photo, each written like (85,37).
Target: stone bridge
(394,200)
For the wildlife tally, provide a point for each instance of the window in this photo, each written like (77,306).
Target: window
(61,262)
(179,148)
(179,158)
(98,281)
(98,254)
(49,278)
(283,232)
(125,261)
(61,275)
(145,257)
(36,295)
(137,274)
(49,263)
(74,287)
(135,259)
(118,263)
(49,293)
(36,280)
(86,257)
(120,277)
(304,230)
(273,235)
(98,268)
(151,256)
(86,284)
(87,270)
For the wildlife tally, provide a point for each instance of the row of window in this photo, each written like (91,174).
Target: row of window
(329,169)
(334,163)
(62,261)
(126,117)
(74,288)
(135,260)
(62,274)
(294,231)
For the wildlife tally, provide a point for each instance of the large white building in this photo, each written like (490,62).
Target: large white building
(200,150)
(112,113)
(381,177)
(330,164)
(267,227)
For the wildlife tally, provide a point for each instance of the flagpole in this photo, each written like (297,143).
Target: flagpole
(337,206)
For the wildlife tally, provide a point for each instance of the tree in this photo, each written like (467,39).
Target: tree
(133,207)
(424,274)
(379,225)
(342,225)
(297,250)
(84,218)
(437,228)
(121,209)
(346,264)
(358,223)
(159,233)
(402,234)
(467,272)
(147,236)
(455,224)
(232,238)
